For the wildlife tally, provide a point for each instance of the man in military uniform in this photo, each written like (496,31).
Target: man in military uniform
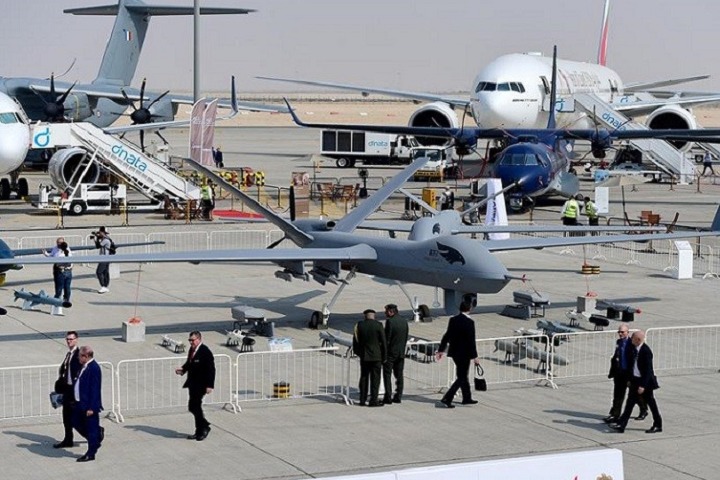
(370,347)
(396,334)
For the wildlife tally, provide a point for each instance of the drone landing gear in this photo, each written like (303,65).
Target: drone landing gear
(421,313)
(320,319)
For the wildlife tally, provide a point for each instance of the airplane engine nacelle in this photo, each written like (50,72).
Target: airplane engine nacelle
(77,107)
(672,116)
(436,114)
(163,111)
(67,164)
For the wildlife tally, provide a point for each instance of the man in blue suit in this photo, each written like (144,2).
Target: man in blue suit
(88,403)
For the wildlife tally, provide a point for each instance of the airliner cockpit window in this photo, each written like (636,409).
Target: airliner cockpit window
(486,87)
(503,87)
(517,87)
(8,117)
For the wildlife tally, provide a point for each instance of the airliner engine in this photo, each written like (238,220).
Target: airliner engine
(68,164)
(672,116)
(436,114)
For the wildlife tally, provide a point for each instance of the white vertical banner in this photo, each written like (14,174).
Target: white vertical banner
(496,212)
(208,137)
(196,130)
(602,199)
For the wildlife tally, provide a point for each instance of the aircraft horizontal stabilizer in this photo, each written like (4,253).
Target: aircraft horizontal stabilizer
(156,10)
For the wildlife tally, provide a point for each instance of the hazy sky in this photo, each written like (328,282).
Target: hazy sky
(408,44)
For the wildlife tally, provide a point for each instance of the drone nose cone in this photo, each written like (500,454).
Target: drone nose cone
(14,143)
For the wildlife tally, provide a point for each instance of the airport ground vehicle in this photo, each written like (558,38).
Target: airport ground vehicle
(348,147)
(89,197)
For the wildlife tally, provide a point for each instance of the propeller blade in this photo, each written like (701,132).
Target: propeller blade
(52,85)
(64,96)
(158,98)
(127,99)
(142,92)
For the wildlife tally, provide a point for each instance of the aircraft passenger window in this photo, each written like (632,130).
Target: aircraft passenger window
(8,117)
(503,87)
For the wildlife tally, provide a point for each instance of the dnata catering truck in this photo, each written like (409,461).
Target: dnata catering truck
(348,147)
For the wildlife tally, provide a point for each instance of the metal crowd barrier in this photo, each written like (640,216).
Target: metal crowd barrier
(151,383)
(25,391)
(683,348)
(289,374)
(514,359)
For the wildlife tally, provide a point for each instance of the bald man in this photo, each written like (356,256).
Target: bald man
(643,384)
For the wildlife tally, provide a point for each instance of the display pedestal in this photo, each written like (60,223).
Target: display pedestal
(133,332)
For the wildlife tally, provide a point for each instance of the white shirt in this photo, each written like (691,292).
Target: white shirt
(68,374)
(77,383)
(636,370)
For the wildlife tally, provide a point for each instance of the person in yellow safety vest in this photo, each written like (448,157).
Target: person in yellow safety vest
(207,201)
(570,211)
(591,211)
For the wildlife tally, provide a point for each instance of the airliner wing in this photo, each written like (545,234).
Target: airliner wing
(646,106)
(539,243)
(425,97)
(356,253)
(644,86)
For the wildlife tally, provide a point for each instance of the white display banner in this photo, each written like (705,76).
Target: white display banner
(496,212)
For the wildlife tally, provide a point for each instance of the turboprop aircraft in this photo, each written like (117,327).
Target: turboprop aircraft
(461,266)
(535,160)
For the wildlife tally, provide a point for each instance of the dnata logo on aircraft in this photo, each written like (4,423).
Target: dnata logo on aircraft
(378,143)
(129,158)
(614,122)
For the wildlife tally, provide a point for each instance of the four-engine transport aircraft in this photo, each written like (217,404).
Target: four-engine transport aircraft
(432,255)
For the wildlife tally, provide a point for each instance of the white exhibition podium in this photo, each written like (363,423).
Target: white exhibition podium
(685,259)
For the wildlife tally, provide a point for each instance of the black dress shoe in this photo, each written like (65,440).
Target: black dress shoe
(642,416)
(85,458)
(610,419)
(387,401)
(63,444)
(192,437)
(361,404)
(396,399)
(203,435)
(654,429)
(617,428)
(375,403)
(469,402)
(445,404)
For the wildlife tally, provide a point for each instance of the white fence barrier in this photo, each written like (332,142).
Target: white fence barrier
(679,348)
(289,374)
(152,384)
(25,391)
(514,359)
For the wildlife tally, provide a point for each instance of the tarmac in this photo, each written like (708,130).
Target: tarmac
(310,438)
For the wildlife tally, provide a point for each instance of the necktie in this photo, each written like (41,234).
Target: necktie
(66,366)
(192,353)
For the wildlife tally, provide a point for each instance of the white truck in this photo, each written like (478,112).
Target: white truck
(89,197)
(440,164)
(348,147)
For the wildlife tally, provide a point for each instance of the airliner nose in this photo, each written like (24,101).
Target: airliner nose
(500,109)
(14,143)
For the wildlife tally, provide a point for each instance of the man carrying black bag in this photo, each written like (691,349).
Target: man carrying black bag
(65,385)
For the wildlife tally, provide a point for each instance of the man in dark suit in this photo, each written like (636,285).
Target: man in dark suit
(460,335)
(621,373)
(642,384)
(67,374)
(200,367)
(370,347)
(88,403)
(396,335)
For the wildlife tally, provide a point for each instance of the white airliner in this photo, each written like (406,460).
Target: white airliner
(512,92)
(14,135)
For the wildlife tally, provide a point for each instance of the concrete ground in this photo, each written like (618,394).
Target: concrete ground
(294,439)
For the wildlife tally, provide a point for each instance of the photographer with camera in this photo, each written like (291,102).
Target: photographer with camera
(103,243)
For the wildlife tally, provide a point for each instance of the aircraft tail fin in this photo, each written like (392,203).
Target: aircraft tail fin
(602,47)
(128,34)
(289,229)
(715,227)
(553,92)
